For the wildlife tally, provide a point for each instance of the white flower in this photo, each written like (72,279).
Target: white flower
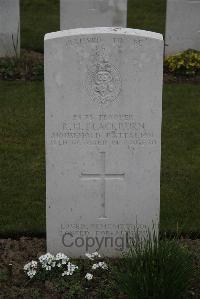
(70,269)
(47,261)
(93,255)
(31,273)
(96,254)
(65,273)
(61,256)
(48,257)
(88,276)
(30,268)
(95,266)
(103,265)
(34,264)
(26,267)
(88,255)
(31,265)
(62,259)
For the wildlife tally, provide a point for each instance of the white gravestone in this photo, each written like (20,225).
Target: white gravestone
(182,26)
(92,13)
(103,90)
(9,28)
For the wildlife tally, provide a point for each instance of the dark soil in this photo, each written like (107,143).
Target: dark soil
(29,66)
(170,78)
(14,254)
(194,247)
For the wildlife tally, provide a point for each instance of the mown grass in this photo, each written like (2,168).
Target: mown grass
(41,16)
(147,15)
(38,17)
(23,159)
(180,188)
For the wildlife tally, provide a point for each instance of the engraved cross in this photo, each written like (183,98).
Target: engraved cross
(102,176)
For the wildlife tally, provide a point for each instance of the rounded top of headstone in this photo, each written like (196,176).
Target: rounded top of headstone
(104,30)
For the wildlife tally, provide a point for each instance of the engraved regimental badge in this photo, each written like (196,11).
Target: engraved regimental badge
(103,81)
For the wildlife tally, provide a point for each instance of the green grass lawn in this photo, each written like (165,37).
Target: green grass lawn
(22,157)
(180,188)
(147,15)
(23,160)
(41,16)
(38,17)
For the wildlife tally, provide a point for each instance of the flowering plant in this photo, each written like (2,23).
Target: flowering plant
(60,264)
(49,263)
(184,63)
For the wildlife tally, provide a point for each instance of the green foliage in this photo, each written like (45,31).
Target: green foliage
(184,63)
(155,269)
(74,289)
(3,275)
(38,72)
(7,67)
(35,294)
(68,287)
(75,286)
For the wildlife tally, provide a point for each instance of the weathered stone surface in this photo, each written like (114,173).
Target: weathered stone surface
(9,28)
(103,137)
(182,26)
(92,13)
